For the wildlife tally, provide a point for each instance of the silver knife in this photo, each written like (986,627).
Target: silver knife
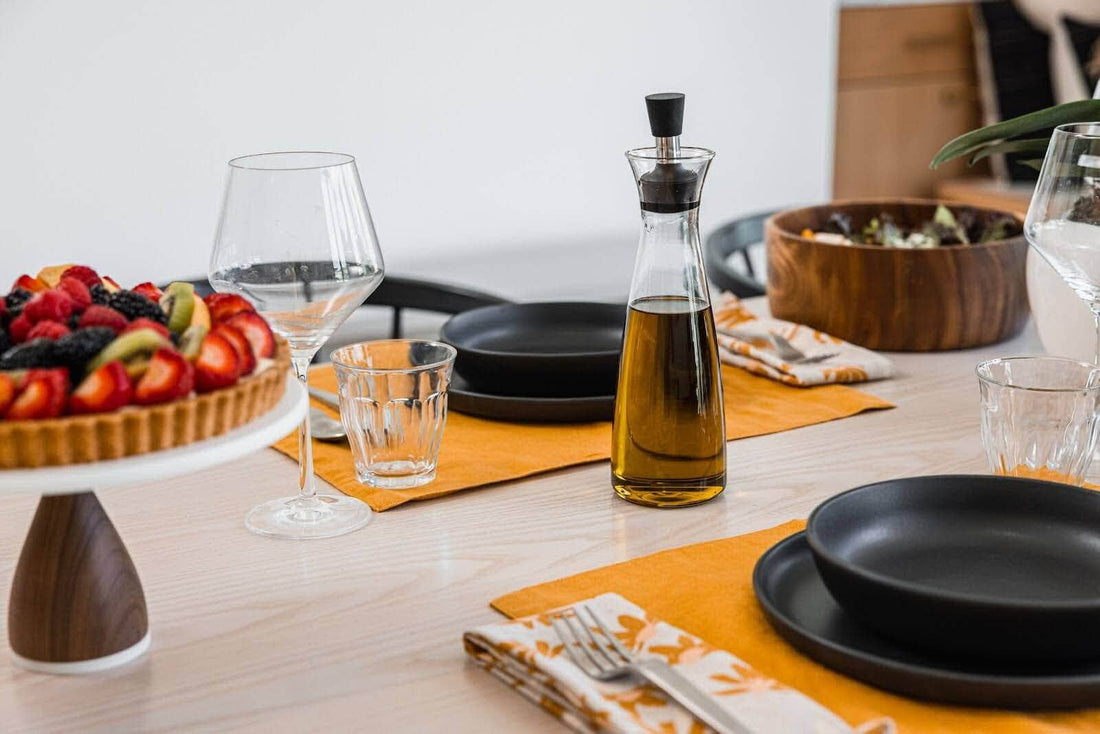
(325,397)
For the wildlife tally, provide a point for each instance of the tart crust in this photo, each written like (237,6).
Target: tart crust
(137,430)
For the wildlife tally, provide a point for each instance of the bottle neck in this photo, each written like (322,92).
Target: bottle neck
(668,147)
(671,227)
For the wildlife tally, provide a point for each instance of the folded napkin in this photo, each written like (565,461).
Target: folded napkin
(528,656)
(743,342)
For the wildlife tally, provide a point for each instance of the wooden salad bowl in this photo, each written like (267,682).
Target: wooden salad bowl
(948,297)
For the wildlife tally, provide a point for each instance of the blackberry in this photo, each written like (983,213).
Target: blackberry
(36,353)
(15,302)
(5,342)
(76,349)
(100,295)
(17,298)
(135,306)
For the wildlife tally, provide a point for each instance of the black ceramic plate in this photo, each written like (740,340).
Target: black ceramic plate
(797,604)
(539,349)
(977,566)
(464,399)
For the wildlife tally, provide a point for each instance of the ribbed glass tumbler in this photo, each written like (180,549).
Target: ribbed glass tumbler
(393,404)
(1039,416)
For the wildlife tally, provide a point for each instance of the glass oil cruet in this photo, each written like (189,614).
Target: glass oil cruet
(669,438)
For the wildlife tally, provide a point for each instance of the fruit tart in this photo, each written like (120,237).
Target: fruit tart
(91,371)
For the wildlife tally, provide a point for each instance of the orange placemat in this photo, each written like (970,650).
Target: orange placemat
(706,589)
(476,452)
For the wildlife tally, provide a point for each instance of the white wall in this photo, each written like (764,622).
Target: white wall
(486,132)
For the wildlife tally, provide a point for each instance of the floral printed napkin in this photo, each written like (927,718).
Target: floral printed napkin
(527,655)
(743,342)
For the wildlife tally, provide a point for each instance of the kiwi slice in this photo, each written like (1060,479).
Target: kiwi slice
(178,302)
(129,348)
(191,341)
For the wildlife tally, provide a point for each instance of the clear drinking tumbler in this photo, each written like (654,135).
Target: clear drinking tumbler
(393,403)
(1039,416)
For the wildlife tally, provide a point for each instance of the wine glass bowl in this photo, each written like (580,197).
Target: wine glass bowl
(1063,220)
(295,237)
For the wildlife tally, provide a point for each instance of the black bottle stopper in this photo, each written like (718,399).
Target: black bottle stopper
(666,114)
(669,187)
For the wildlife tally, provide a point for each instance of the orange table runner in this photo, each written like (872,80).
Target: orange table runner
(477,452)
(706,590)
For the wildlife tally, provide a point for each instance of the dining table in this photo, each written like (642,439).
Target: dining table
(364,631)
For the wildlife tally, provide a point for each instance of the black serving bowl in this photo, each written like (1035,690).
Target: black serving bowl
(988,567)
(567,349)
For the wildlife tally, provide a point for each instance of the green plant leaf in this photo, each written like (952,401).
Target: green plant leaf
(1085,110)
(1023,145)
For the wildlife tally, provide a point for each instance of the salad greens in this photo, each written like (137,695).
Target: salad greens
(944,228)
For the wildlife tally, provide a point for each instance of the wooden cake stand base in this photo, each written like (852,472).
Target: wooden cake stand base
(76,602)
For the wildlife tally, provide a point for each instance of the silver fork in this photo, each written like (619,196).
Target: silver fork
(609,660)
(793,355)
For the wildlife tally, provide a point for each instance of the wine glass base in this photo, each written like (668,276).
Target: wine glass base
(297,518)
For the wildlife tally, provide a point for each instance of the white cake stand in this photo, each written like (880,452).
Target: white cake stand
(76,602)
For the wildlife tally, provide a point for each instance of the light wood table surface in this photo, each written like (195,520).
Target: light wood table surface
(363,632)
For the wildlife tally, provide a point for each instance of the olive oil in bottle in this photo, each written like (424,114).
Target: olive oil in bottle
(668,446)
(669,438)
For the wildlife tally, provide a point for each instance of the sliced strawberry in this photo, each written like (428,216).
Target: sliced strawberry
(168,377)
(144,323)
(34,285)
(47,330)
(82,297)
(148,290)
(103,316)
(42,395)
(19,327)
(83,273)
(256,330)
(49,306)
(224,305)
(7,392)
(217,365)
(106,389)
(247,360)
(110,284)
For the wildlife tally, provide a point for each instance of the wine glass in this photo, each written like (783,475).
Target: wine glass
(296,238)
(1063,221)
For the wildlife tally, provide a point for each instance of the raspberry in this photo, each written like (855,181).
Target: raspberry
(3,309)
(38,353)
(76,349)
(82,297)
(103,316)
(19,328)
(49,306)
(84,274)
(100,295)
(135,306)
(47,330)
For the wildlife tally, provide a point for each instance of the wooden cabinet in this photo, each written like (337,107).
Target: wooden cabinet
(905,86)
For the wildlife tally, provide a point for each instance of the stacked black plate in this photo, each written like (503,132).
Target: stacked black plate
(976,590)
(541,362)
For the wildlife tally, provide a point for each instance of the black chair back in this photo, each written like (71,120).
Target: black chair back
(734,239)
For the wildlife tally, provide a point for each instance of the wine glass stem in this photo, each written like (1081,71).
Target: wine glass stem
(306,489)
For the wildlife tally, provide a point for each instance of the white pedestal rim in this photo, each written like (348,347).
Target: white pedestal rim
(85,667)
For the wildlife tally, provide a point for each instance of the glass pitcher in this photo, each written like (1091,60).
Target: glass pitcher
(669,437)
